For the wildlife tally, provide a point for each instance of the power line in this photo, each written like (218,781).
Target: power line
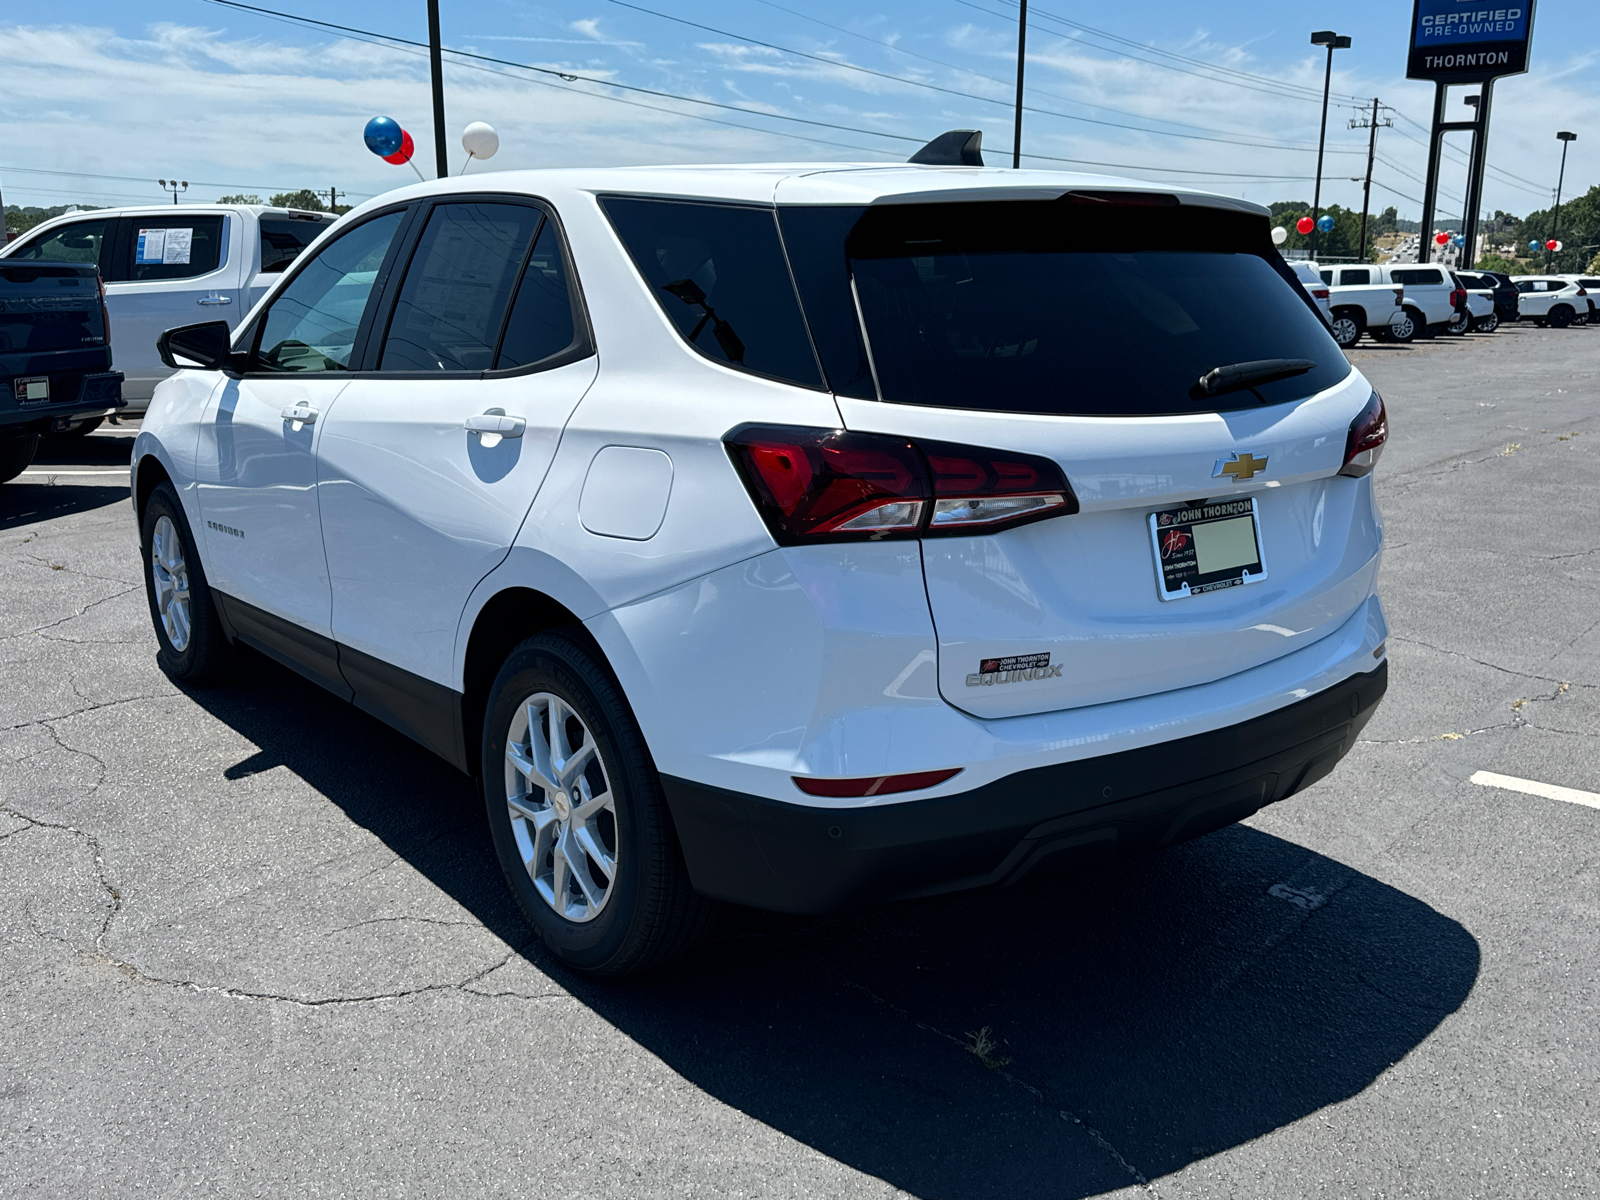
(260,187)
(909,81)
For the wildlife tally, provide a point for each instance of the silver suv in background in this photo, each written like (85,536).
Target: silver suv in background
(172,265)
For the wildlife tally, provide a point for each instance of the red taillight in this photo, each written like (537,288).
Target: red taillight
(1399,294)
(1458,298)
(873,785)
(1320,293)
(1368,432)
(1583,291)
(835,485)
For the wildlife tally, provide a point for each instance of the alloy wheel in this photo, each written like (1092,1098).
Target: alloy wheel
(563,812)
(1346,332)
(171,576)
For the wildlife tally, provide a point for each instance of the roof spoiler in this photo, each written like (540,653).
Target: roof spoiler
(957,148)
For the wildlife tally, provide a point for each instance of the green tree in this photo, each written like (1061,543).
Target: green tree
(241,198)
(1388,220)
(305,199)
(1578,229)
(1594,266)
(1498,262)
(1279,207)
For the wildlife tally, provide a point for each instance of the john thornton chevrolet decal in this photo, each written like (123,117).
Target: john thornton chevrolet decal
(1016,669)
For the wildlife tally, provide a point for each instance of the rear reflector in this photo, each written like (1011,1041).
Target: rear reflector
(873,785)
(1364,443)
(835,485)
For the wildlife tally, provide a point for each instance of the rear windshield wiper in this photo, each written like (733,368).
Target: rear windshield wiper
(1247,374)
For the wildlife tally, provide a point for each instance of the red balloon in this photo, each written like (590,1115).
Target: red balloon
(1305,224)
(403,155)
(1441,238)
(1550,245)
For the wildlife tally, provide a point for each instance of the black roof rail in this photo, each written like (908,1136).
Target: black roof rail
(957,148)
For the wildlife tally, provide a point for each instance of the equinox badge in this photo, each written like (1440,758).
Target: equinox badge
(1240,467)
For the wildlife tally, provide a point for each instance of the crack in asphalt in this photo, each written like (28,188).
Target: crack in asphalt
(1396,637)
(39,629)
(78,712)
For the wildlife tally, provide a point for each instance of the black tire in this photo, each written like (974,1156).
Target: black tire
(1459,324)
(206,654)
(1404,330)
(78,431)
(1347,327)
(648,913)
(1561,316)
(1486,324)
(15,455)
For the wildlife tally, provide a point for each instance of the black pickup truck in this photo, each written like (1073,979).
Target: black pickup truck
(55,356)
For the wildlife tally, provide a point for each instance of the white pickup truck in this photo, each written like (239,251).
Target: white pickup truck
(172,265)
(1362,303)
(1558,300)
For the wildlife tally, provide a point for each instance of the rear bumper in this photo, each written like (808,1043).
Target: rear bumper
(799,859)
(74,397)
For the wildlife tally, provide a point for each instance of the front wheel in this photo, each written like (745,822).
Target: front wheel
(1458,324)
(193,646)
(1561,316)
(1486,324)
(1404,329)
(1346,329)
(15,455)
(578,817)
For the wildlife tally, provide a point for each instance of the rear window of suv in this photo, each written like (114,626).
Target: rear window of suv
(1077,306)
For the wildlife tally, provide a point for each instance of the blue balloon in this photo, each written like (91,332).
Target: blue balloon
(383,136)
(1534,245)
(1459,240)
(1325,223)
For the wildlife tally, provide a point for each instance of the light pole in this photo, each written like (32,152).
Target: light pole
(1333,41)
(174,186)
(1016,127)
(436,74)
(1555,217)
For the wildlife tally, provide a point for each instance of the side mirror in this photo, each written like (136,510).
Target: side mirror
(207,346)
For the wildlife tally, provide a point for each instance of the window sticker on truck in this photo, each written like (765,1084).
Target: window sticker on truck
(164,246)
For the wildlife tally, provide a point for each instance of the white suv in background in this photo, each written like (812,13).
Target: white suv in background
(167,265)
(1556,300)
(803,537)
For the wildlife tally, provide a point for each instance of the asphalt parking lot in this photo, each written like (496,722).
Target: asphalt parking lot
(252,942)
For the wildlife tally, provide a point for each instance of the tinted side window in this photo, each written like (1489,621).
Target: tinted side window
(456,290)
(282,239)
(177,248)
(719,273)
(312,325)
(540,323)
(1327,277)
(1356,278)
(78,242)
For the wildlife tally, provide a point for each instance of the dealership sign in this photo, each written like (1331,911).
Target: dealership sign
(1456,42)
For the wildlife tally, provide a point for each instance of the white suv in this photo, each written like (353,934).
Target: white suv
(1558,300)
(802,537)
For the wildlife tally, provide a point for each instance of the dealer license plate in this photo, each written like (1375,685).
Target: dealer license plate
(1207,548)
(34,389)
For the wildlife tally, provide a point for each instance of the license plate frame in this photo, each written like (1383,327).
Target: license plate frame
(1179,553)
(23,389)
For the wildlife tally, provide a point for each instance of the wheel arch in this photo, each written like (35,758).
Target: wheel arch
(506,618)
(149,472)
(1352,310)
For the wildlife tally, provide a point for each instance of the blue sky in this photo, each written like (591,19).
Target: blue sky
(1223,96)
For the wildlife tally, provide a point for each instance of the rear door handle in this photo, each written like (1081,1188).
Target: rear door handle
(299,417)
(497,423)
(215,300)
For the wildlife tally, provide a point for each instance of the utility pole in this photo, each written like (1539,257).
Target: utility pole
(333,199)
(1555,217)
(1372,151)
(1333,41)
(1016,127)
(436,67)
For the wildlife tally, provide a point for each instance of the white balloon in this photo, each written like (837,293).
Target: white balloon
(1559,247)
(480,140)
(1280,235)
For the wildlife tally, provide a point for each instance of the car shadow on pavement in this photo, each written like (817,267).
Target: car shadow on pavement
(1064,1038)
(23,502)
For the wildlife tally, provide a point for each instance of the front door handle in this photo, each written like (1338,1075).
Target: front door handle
(494,423)
(215,300)
(299,417)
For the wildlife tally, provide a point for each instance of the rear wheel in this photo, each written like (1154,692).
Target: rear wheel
(1561,316)
(1458,324)
(15,455)
(193,646)
(1486,324)
(1346,328)
(579,820)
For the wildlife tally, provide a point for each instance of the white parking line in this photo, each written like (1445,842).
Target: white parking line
(40,472)
(1533,787)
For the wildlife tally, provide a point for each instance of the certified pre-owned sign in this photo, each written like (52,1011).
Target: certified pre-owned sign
(1455,42)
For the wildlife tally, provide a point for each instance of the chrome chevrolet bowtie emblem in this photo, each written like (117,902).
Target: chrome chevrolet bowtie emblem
(1240,467)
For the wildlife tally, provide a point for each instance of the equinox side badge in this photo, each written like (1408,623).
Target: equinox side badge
(1016,669)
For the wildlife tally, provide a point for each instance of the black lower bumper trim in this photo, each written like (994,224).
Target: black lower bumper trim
(801,859)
